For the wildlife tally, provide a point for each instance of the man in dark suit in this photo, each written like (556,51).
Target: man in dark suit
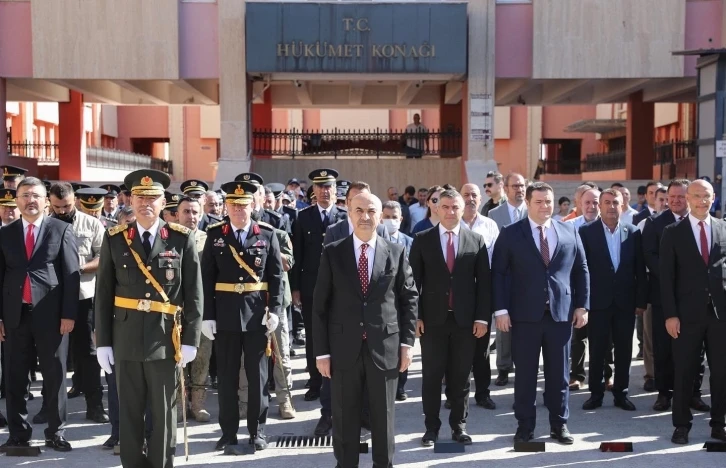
(662,342)
(308,240)
(692,256)
(649,209)
(451,269)
(364,316)
(40,278)
(618,291)
(547,256)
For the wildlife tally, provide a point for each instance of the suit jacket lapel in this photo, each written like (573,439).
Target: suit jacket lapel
(687,230)
(349,263)
(463,241)
(251,238)
(529,240)
(560,234)
(159,241)
(436,247)
(39,236)
(603,240)
(379,262)
(716,239)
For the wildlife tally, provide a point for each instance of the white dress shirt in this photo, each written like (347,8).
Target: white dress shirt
(37,224)
(627,216)
(153,230)
(417,213)
(512,209)
(487,228)
(697,231)
(551,235)
(241,236)
(612,238)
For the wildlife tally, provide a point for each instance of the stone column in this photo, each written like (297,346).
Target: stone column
(177,142)
(3,127)
(235,156)
(72,138)
(479,155)
(639,138)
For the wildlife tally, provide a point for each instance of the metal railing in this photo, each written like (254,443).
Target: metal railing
(45,153)
(107,158)
(557,166)
(609,161)
(342,143)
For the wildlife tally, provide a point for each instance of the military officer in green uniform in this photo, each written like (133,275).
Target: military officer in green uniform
(243,297)
(259,213)
(170,214)
(148,318)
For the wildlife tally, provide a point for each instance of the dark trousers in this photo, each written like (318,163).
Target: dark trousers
(482,368)
(52,349)
(347,396)
(230,348)
(553,340)
(577,352)
(316,380)
(686,354)
(298,323)
(113,409)
(87,373)
(606,326)
(402,379)
(447,350)
(140,385)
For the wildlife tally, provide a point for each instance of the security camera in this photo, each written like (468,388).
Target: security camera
(298,84)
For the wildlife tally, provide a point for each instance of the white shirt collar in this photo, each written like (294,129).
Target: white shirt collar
(371,243)
(694,221)
(443,230)
(512,207)
(152,230)
(534,226)
(244,228)
(37,223)
(327,210)
(607,229)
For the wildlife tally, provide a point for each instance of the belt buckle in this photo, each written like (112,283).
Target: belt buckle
(239,288)
(144,305)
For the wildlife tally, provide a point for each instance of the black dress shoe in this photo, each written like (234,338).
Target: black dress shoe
(592,403)
(3,421)
(312,395)
(41,417)
(486,403)
(58,443)
(224,442)
(523,435)
(110,443)
(259,441)
(624,403)
(649,385)
(307,384)
(562,435)
(401,396)
(502,379)
(662,403)
(213,382)
(429,438)
(31,397)
(325,424)
(97,415)
(74,392)
(293,353)
(447,404)
(718,433)
(680,435)
(698,404)
(13,442)
(461,437)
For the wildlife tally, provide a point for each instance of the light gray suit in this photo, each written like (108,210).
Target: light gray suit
(500,215)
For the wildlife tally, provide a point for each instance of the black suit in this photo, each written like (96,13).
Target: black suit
(448,343)
(308,240)
(645,213)
(662,342)
(615,293)
(693,291)
(387,316)
(55,282)
(207,220)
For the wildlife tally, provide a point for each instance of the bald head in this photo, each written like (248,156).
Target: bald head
(472,200)
(700,197)
(365,214)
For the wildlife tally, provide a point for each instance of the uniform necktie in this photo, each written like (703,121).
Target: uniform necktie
(363,273)
(325,218)
(544,246)
(704,243)
(146,243)
(239,236)
(450,258)
(29,245)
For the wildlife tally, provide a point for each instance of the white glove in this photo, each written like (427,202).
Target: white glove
(271,323)
(209,328)
(104,354)
(188,354)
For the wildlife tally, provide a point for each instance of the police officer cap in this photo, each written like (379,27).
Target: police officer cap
(323,176)
(276,189)
(293,181)
(13,172)
(172,200)
(341,192)
(7,198)
(250,177)
(239,192)
(91,198)
(78,186)
(112,190)
(147,182)
(194,187)
(344,184)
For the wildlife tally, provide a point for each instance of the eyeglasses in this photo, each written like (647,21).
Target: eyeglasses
(517,186)
(33,196)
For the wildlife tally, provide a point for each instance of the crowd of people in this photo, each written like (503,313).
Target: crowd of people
(171,294)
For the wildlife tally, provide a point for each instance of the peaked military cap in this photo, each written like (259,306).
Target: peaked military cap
(124,189)
(111,190)
(48,185)
(13,172)
(250,177)
(276,189)
(194,186)
(239,192)
(323,176)
(78,186)
(91,198)
(147,182)
(7,198)
(340,193)
(172,200)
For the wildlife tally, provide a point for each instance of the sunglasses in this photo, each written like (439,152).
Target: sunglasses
(489,185)
(434,200)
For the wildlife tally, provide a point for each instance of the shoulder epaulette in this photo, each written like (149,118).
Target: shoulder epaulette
(179,228)
(274,213)
(215,225)
(307,208)
(267,226)
(116,229)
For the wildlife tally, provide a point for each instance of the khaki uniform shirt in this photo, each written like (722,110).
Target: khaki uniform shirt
(89,237)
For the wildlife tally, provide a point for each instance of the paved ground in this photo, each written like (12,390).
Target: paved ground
(492,432)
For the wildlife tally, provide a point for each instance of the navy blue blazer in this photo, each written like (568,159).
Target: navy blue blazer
(522,282)
(404,240)
(626,287)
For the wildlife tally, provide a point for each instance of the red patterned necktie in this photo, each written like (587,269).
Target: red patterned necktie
(544,246)
(450,259)
(704,243)
(363,273)
(29,244)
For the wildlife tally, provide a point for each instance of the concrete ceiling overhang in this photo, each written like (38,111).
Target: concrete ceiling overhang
(595,126)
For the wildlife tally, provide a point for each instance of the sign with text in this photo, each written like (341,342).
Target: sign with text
(356,38)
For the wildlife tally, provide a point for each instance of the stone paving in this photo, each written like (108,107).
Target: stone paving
(492,432)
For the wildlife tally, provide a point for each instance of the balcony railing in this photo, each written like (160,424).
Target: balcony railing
(45,153)
(337,143)
(609,161)
(557,166)
(107,158)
